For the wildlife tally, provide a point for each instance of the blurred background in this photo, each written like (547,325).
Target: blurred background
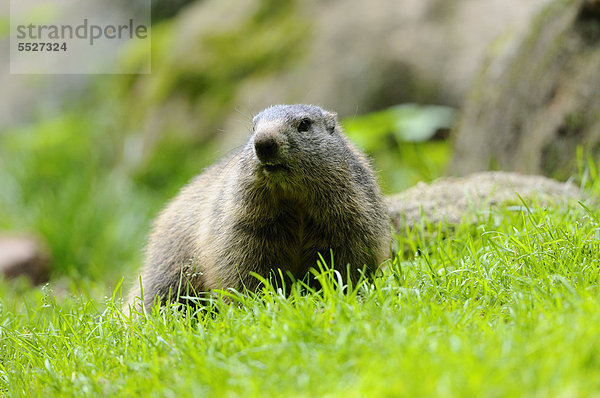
(426,87)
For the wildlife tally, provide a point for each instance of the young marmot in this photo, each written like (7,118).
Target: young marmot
(296,189)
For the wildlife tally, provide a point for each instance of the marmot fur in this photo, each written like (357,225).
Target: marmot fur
(296,189)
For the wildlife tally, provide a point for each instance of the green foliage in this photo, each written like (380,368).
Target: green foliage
(268,41)
(168,168)
(399,141)
(509,307)
(203,82)
(62,180)
(4,26)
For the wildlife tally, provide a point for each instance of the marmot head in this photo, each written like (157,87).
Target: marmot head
(294,145)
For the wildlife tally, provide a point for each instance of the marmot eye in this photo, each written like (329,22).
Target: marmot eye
(304,125)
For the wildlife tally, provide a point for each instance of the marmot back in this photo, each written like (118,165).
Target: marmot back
(296,189)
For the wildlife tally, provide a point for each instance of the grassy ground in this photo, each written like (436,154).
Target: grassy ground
(508,307)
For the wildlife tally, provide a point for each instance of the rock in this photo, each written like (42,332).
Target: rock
(24,256)
(219,62)
(451,199)
(363,56)
(537,98)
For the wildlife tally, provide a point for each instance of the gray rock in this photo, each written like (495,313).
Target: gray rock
(24,256)
(367,55)
(364,56)
(451,199)
(537,98)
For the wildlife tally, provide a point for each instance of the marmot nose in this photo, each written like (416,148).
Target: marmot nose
(266,148)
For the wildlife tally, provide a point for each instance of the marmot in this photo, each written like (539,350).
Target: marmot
(296,189)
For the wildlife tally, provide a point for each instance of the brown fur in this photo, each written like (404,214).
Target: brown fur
(239,216)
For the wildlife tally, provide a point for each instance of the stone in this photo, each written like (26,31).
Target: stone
(451,199)
(24,256)
(537,99)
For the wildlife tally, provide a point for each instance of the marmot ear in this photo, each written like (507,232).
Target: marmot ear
(330,120)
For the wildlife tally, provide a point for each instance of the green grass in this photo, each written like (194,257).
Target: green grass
(64,179)
(508,307)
